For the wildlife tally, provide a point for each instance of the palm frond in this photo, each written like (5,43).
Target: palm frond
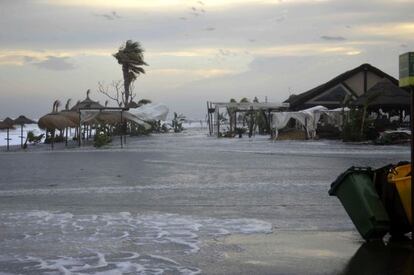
(137,70)
(67,104)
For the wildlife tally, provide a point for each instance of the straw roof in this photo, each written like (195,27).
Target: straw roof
(4,125)
(55,121)
(87,103)
(110,117)
(71,115)
(21,120)
(7,123)
(384,95)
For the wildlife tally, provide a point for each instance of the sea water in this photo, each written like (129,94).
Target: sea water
(147,208)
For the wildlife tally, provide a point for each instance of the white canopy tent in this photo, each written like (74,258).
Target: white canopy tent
(308,118)
(141,115)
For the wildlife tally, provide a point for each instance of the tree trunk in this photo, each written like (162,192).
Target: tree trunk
(127,83)
(363,121)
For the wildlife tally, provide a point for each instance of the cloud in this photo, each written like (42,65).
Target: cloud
(332,38)
(23,57)
(389,30)
(55,63)
(200,73)
(109,16)
(156,4)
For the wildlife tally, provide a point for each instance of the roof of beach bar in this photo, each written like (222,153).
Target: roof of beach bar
(384,95)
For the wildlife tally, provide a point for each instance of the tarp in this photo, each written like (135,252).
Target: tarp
(335,116)
(151,112)
(141,115)
(308,118)
(110,117)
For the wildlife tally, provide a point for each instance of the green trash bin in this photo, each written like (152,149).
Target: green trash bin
(357,193)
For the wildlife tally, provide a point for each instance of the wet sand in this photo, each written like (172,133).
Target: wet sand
(284,252)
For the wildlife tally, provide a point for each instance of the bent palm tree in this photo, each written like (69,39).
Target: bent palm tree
(131,57)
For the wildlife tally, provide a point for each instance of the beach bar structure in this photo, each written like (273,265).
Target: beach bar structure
(87,115)
(215,110)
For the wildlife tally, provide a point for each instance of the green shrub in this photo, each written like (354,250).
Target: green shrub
(101,139)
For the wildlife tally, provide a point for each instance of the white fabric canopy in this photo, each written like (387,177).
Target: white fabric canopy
(140,115)
(151,112)
(308,118)
(93,116)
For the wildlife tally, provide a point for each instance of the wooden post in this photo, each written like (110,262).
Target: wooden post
(208,119)
(122,128)
(21,135)
(217,113)
(79,130)
(66,137)
(8,139)
(53,138)
(251,122)
(270,124)
(306,128)
(412,163)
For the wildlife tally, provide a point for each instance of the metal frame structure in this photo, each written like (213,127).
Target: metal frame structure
(123,137)
(213,112)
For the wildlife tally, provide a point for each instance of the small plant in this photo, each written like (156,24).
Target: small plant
(352,128)
(139,130)
(101,139)
(55,139)
(177,122)
(240,131)
(32,139)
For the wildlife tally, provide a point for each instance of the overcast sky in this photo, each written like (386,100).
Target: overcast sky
(196,50)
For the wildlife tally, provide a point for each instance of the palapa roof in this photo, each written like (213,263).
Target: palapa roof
(71,115)
(384,95)
(4,125)
(296,101)
(110,117)
(21,120)
(7,123)
(87,103)
(55,121)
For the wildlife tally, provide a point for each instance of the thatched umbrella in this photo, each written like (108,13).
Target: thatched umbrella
(110,118)
(53,121)
(7,124)
(87,103)
(22,120)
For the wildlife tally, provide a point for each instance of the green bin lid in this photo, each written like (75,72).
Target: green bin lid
(340,179)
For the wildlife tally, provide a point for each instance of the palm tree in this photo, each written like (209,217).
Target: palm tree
(131,57)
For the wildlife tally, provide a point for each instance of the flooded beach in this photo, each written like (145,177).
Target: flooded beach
(181,204)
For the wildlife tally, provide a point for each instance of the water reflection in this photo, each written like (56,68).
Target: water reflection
(382,258)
